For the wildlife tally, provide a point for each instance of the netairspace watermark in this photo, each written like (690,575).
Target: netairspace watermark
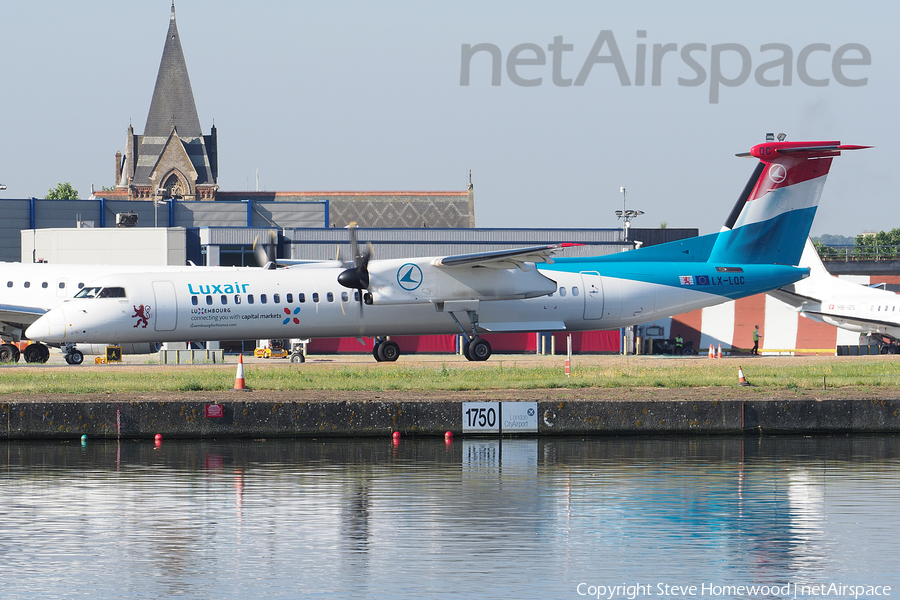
(526,64)
(715,590)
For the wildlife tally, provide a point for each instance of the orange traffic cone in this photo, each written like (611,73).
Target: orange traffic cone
(712,354)
(239,376)
(741,379)
(719,355)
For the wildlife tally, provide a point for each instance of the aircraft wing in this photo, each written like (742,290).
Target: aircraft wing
(19,316)
(790,297)
(839,319)
(503,259)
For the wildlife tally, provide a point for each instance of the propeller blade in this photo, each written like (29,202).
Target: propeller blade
(265,253)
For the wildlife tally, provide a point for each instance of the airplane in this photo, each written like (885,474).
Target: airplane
(500,291)
(28,290)
(825,298)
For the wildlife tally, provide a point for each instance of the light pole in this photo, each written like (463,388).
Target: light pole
(626,215)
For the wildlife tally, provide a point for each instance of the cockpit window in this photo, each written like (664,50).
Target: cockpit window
(88,292)
(101,292)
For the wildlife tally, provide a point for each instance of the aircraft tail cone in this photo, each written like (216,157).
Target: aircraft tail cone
(741,379)
(239,376)
(712,353)
(719,355)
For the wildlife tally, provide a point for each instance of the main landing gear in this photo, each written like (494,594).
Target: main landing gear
(34,353)
(9,353)
(385,350)
(475,348)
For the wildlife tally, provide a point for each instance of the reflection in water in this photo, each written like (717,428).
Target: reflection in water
(523,518)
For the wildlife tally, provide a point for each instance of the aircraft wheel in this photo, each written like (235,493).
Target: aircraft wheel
(466,351)
(75,357)
(388,351)
(68,359)
(375,350)
(7,353)
(45,353)
(33,353)
(298,358)
(479,349)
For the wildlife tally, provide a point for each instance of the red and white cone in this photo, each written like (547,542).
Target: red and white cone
(719,355)
(239,376)
(741,379)
(712,353)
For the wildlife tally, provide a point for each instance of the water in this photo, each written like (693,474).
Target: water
(521,518)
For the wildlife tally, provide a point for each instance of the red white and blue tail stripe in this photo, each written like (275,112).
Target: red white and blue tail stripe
(775,211)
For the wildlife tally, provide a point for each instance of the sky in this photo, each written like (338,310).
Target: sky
(328,96)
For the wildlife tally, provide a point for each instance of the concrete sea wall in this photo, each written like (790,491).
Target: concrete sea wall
(230,418)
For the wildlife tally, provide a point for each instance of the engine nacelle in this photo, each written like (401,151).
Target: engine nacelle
(420,281)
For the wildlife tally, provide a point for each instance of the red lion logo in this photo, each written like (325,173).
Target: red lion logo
(142,313)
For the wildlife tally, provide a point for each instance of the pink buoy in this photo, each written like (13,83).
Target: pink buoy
(448,436)
(396,435)
(158,437)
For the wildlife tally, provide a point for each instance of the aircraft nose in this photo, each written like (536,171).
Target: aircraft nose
(50,327)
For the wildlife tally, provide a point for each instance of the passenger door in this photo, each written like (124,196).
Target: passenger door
(166,308)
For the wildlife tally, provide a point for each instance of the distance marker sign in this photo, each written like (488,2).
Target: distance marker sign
(499,417)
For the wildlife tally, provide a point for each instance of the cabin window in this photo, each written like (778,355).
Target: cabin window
(224,299)
(562,292)
(330,297)
(9,284)
(290,298)
(315,296)
(44,285)
(237,298)
(62,285)
(194,300)
(80,285)
(28,284)
(249,298)
(301,297)
(263,299)
(209,300)
(356,296)
(345,297)
(276,298)
(574,291)
(112,292)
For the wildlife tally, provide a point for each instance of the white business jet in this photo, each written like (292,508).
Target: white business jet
(827,299)
(521,290)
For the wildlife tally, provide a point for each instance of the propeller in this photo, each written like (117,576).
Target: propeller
(264,253)
(357,276)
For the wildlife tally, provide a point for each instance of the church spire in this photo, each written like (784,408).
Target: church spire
(173,99)
(173,116)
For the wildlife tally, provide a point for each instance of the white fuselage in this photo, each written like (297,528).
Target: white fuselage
(307,302)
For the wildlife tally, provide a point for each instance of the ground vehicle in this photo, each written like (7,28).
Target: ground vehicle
(274,349)
(661,346)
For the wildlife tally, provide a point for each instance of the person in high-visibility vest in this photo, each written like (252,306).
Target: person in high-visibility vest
(756,337)
(679,344)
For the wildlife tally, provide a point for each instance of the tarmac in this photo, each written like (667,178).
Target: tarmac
(317,413)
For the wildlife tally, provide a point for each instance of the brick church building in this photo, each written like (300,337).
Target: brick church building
(173,160)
